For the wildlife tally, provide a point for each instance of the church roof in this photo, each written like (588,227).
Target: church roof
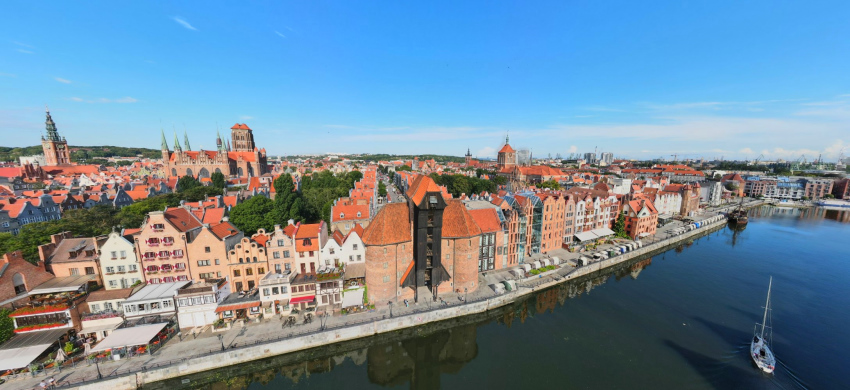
(506,149)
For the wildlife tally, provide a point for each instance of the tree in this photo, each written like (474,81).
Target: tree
(253,214)
(187,183)
(551,184)
(403,168)
(218,180)
(285,196)
(382,189)
(620,226)
(7,326)
(460,186)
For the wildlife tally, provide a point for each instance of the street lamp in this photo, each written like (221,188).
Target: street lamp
(391,308)
(464,295)
(96,365)
(221,340)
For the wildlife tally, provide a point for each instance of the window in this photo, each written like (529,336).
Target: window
(276,255)
(386,279)
(261,271)
(355,246)
(110,270)
(285,254)
(217,262)
(283,289)
(331,250)
(236,272)
(249,271)
(114,255)
(122,268)
(123,254)
(94,308)
(286,266)
(183,302)
(113,283)
(206,249)
(255,259)
(74,271)
(203,263)
(358,257)
(386,264)
(280,243)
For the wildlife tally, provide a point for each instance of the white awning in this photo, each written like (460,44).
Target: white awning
(602,232)
(128,337)
(585,236)
(20,357)
(99,328)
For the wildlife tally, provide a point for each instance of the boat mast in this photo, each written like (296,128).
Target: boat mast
(766,308)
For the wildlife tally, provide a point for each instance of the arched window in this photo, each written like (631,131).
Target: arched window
(20,285)
(203,173)
(239,171)
(189,172)
(173,171)
(217,170)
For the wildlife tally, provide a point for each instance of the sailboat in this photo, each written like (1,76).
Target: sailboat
(760,347)
(739,215)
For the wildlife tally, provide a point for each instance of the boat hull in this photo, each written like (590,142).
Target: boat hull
(762,355)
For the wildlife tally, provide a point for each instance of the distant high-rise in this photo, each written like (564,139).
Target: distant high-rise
(55,147)
(590,158)
(606,157)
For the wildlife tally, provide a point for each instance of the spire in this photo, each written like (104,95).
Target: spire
(52,133)
(507,138)
(186,140)
(177,147)
(228,145)
(164,144)
(218,144)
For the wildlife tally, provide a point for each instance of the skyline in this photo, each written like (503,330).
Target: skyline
(641,81)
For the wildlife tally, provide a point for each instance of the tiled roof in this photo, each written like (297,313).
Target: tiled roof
(457,222)
(421,185)
(289,230)
(307,237)
(390,226)
(213,214)
(224,229)
(486,219)
(348,212)
(108,295)
(14,209)
(137,194)
(182,219)
(338,237)
(506,149)
(260,239)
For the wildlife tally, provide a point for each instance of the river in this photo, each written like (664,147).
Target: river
(682,319)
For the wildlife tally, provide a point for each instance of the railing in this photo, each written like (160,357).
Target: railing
(100,315)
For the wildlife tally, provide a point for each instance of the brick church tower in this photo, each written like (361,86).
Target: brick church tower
(55,147)
(506,159)
(243,138)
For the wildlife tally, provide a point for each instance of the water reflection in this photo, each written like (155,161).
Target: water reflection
(418,357)
(809,213)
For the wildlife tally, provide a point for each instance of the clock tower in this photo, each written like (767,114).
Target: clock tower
(55,147)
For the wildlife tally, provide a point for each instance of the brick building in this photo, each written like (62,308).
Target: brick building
(243,160)
(641,218)
(67,256)
(18,276)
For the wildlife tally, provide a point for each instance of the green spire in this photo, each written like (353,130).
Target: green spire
(177,143)
(164,144)
(186,141)
(507,138)
(219,145)
(52,133)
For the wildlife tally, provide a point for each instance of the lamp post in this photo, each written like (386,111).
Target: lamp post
(97,365)
(464,295)
(391,308)
(221,340)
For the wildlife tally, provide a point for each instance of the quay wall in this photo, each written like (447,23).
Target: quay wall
(240,355)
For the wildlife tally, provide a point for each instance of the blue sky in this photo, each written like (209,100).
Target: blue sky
(639,79)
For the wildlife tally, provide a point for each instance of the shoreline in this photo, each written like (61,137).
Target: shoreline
(380,326)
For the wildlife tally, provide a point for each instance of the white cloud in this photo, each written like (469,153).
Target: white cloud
(23,44)
(184,23)
(279,34)
(746,151)
(63,81)
(572,149)
(127,99)
(486,152)
(25,51)
(246,117)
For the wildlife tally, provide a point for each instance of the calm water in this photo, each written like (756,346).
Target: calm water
(682,319)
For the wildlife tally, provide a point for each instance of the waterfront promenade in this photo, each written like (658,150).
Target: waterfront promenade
(196,353)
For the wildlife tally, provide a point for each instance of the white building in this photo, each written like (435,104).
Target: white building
(118,263)
(275,292)
(196,303)
(620,186)
(711,193)
(343,250)
(152,300)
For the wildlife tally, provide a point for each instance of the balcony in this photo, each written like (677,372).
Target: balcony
(100,316)
(36,310)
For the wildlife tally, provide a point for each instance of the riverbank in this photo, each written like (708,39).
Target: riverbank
(196,356)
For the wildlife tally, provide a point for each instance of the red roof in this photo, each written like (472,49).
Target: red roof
(390,226)
(348,212)
(224,229)
(182,219)
(421,185)
(457,222)
(506,149)
(486,219)
(307,237)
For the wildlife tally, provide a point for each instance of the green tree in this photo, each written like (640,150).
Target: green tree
(551,184)
(403,168)
(620,226)
(7,326)
(382,189)
(253,214)
(460,186)
(186,183)
(218,181)
(285,195)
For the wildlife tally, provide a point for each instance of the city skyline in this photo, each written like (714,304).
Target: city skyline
(349,78)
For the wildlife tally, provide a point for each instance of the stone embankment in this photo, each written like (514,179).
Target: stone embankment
(244,354)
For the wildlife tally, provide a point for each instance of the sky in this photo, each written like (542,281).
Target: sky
(710,79)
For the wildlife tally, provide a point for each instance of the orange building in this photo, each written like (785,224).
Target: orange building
(162,244)
(641,218)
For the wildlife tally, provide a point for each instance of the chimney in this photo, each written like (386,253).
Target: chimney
(291,222)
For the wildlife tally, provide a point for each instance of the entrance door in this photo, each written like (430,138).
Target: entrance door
(303,269)
(312,268)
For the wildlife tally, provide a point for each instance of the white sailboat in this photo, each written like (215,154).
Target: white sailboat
(760,346)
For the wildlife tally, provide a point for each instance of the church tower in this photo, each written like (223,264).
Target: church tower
(243,138)
(165,154)
(506,159)
(55,147)
(468,157)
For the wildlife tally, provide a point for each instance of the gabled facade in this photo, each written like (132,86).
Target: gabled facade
(119,266)
(162,245)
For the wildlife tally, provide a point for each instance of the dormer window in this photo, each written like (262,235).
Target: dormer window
(307,242)
(72,255)
(341,215)
(358,214)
